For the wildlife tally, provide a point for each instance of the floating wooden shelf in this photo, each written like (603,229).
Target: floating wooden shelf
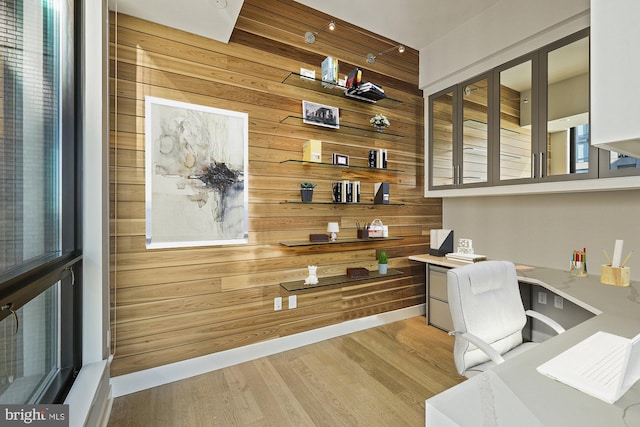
(345,128)
(338,242)
(295,79)
(298,285)
(341,203)
(305,162)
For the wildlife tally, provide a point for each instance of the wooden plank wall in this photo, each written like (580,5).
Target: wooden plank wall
(174,304)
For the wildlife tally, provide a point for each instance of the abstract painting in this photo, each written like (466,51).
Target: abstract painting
(196,161)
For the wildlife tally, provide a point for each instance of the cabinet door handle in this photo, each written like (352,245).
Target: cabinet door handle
(533,165)
(541,164)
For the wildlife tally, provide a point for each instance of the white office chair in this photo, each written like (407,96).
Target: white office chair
(488,315)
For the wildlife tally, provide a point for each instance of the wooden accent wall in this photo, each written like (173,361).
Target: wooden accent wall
(174,304)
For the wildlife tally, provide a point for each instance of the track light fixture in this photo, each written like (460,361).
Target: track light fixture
(371,58)
(310,36)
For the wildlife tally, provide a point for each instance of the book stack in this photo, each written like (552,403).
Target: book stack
(329,72)
(378,158)
(455,256)
(346,191)
(366,91)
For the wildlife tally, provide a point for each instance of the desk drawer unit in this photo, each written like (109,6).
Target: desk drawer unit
(438,310)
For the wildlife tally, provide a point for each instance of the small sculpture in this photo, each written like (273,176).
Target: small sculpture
(312,279)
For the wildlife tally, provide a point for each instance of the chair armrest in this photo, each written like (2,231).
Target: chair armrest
(481,344)
(547,320)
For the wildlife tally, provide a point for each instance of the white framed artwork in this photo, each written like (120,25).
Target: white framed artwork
(196,175)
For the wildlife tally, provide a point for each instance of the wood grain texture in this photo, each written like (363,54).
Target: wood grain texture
(378,377)
(173,304)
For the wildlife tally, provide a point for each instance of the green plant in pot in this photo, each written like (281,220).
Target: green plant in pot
(382,262)
(306,191)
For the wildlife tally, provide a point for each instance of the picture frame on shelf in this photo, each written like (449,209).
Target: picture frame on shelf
(320,115)
(340,159)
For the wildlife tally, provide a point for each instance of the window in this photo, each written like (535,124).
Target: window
(38,188)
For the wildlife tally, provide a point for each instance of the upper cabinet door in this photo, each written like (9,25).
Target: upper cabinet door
(442,173)
(517,114)
(614,64)
(564,147)
(474,154)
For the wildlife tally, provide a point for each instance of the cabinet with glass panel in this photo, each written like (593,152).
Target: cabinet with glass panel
(526,121)
(459,133)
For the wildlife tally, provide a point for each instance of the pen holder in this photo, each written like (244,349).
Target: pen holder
(577,269)
(616,276)
(363,233)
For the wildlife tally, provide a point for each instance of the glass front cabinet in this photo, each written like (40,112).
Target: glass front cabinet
(526,121)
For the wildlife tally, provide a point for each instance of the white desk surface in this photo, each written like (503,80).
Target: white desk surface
(514,393)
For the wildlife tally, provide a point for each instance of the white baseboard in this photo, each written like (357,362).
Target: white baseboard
(88,398)
(142,380)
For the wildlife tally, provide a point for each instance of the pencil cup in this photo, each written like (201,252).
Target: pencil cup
(615,276)
(577,269)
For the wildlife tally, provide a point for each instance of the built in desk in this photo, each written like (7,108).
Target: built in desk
(515,394)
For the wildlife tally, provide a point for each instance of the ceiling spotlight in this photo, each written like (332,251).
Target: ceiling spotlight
(371,58)
(310,36)
(218,4)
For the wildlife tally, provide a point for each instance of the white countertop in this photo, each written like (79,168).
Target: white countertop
(514,393)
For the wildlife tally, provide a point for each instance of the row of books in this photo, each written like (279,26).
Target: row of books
(378,158)
(366,92)
(346,191)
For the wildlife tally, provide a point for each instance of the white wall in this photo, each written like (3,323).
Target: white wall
(536,229)
(544,229)
(503,32)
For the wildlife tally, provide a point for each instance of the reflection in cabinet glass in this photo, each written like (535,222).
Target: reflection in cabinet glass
(441,147)
(475,100)
(516,103)
(568,111)
(616,164)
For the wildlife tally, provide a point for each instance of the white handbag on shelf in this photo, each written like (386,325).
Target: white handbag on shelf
(376,229)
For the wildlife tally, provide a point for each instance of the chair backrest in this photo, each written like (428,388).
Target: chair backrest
(484,300)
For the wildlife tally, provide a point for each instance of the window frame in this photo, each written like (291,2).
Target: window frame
(24,282)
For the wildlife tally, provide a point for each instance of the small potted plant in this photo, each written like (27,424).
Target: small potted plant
(382,262)
(379,121)
(306,191)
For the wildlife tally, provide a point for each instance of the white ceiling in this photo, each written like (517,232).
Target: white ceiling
(214,19)
(414,23)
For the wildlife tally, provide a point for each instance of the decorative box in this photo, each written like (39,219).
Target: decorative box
(357,272)
(318,237)
(616,276)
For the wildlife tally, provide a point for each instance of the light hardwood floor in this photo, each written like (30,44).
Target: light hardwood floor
(377,377)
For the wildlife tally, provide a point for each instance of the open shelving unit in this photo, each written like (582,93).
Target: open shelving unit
(345,128)
(298,285)
(338,242)
(306,162)
(298,80)
(340,203)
